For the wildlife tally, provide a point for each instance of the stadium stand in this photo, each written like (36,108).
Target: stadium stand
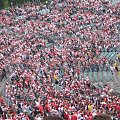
(59,59)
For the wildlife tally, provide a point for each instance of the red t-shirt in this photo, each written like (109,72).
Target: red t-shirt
(117,107)
(41,109)
(73,117)
(47,107)
(66,116)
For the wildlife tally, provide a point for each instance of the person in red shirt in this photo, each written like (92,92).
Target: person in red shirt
(73,117)
(66,116)
(41,109)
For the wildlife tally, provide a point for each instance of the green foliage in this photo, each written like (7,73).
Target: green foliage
(6,3)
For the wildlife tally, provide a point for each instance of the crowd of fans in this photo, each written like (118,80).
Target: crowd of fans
(45,48)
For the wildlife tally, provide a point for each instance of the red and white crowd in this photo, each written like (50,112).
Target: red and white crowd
(44,48)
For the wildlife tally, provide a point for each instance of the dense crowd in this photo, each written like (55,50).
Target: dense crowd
(45,48)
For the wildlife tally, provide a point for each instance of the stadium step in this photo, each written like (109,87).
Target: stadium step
(114,57)
(111,56)
(85,74)
(100,76)
(95,78)
(90,76)
(115,86)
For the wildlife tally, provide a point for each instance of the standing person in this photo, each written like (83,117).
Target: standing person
(118,57)
(3,74)
(1,111)
(56,78)
(116,66)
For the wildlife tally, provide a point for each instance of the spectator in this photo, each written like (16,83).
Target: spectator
(46,48)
